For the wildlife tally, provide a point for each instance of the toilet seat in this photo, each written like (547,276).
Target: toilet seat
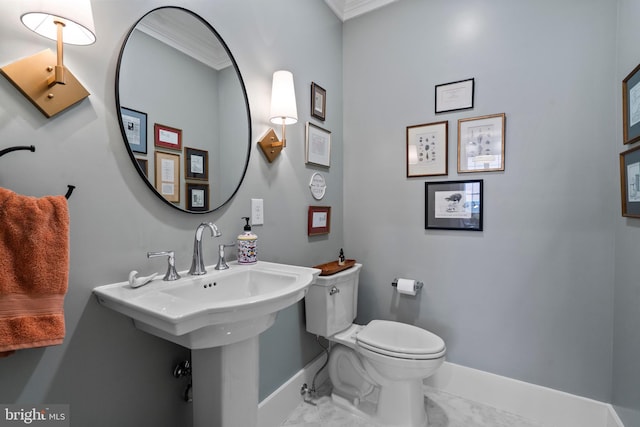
(400,340)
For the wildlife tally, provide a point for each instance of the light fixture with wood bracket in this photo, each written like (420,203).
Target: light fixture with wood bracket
(283,112)
(43,78)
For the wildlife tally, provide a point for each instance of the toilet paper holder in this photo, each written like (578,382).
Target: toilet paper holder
(417,286)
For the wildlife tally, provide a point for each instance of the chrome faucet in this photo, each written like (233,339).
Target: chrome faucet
(197,264)
(222,263)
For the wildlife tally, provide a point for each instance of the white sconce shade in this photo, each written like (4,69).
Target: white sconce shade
(283,99)
(76,15)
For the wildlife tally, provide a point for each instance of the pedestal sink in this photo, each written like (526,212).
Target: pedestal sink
(218,316)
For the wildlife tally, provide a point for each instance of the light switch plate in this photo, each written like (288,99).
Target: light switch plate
(257,212)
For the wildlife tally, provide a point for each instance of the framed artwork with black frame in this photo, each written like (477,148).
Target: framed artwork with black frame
(197,197)
(134,124)
(455,96)
(630,182)
(453,205)
(318,102)
(196,164)
(631,107)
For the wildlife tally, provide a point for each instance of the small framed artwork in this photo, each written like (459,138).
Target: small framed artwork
(481,143)
(631,106)
(167,137)
(197,197)
(167,170)
(455,96)
(318,102)
(318,145)
(427,153)
(143,164)
(196,164)
(453,205)
(319,220)
(630,182)
(134,124)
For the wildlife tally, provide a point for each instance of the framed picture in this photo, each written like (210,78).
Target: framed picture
(318,145)
(134,124)
(453,205)
(167,137)
(318,102)
(196,164)
(631,107)
(197,197)
(481,143)
(454,96)
(630,182)
(319,220)
(167,170)
(427,153)
(143,164)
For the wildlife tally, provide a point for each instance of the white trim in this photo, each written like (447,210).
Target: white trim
(542,405)
(347,9)
(539,404)
(275,408)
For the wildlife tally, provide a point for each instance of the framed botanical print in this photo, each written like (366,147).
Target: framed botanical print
(481,143)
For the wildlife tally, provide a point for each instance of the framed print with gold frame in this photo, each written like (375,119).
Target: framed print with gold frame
(481,143)
(167,170)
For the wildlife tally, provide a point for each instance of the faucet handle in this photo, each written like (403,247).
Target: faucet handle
(171,274)
(222,264)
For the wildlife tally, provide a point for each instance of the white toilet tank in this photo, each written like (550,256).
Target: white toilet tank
(331,303)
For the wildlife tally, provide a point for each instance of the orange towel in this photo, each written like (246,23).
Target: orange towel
(34,270)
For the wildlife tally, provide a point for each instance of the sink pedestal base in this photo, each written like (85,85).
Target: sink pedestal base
(225,385)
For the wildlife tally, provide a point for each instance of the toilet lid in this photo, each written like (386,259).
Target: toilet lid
(399,338)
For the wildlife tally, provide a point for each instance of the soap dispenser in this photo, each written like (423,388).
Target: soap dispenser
(247,247)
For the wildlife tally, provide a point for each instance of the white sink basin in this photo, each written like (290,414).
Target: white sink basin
(215,309)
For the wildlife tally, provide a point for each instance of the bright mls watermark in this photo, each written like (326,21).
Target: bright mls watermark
(34,415)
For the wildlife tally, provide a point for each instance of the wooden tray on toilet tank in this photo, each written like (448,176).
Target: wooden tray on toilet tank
(332,267)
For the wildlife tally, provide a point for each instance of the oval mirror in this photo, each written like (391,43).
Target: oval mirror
(183,110)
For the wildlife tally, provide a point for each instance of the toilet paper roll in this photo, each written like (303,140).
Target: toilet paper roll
(406,287)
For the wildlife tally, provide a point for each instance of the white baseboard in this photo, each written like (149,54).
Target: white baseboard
(275,408)
(546,406)
(539,404)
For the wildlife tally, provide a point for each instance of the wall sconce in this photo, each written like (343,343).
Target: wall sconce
(283,112)
(43,78)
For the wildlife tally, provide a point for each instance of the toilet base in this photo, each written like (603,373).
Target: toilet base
(369,409)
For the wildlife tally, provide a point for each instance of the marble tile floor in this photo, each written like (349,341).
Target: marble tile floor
(443,410)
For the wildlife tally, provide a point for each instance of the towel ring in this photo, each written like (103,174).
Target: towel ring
(32,148)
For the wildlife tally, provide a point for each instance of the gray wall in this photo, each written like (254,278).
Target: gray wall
(111,373)
(531,296)
(626,349)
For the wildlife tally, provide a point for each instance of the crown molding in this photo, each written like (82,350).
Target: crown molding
(347,9)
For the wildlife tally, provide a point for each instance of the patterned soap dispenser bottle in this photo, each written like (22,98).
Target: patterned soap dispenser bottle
(247,245)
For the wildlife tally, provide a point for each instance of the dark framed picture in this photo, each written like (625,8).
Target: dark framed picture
(631,106)
(143,164)
(427,152)
(197,197)
(317,145)
(318,102)
(453,205)
(481,143)
(134,124)
(319,220)
(196,164)
(455,96)
(167,137)
(630,182)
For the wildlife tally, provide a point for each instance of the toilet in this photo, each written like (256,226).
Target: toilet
(376,369)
